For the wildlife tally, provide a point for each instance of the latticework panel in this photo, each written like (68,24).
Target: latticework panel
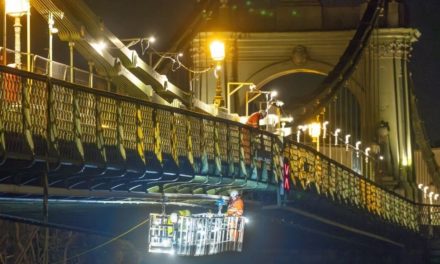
(181,134)
(165,119)
(11,112)
(107,111)
(147,127)
(63,117)
(87,110)
(246,143)
(38,114)
(128,124)
(222,129)
(234,143)
(196,136)
(208,134)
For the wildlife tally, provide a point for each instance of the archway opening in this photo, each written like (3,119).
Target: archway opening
(298,89)
(295,89)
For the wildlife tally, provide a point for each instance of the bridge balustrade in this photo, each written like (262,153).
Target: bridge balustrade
(44,120)
(311,170)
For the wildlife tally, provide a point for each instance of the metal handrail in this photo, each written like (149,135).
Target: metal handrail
(36,57)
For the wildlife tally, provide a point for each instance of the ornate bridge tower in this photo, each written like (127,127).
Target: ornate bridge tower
(265,42)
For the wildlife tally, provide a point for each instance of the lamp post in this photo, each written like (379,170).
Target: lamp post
(347,141)
(367,154)
(358,143)
(52,30)
(425,191)
(16,9)
(324,133)
(238,86)
(337,131)
(217,49)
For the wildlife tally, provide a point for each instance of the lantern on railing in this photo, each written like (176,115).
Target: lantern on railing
(16,9)
(315,132)
(217,49)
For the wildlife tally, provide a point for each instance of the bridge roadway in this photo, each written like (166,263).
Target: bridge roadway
(87,143)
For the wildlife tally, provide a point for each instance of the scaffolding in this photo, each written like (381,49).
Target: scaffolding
(196,235)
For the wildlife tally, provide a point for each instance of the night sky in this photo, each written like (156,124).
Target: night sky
(163,19)
(425,63)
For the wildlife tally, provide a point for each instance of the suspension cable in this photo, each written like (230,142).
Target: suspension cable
(346,65)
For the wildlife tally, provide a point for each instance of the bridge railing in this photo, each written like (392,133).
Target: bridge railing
(40,65)
(82,129)
(44,119)
(312,170)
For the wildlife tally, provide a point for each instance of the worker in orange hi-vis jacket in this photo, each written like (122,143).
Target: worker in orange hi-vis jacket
(236,204)
(235,210)
(254,119)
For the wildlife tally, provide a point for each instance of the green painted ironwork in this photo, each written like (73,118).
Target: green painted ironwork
(88,127)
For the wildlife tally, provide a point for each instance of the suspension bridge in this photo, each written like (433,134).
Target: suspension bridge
(122,131)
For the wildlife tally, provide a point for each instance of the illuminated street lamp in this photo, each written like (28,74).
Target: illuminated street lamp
(367,154)
(217,49)
(425,191)
(358,143)
(52,30)
(315,132)
(337,131)
(16,9)
(324,129)
(347,141)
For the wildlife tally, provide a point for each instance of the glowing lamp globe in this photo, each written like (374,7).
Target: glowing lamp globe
(217,49)
(315,130)
(17,8)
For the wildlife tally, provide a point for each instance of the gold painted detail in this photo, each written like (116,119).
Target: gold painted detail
(217,153)
(100,130)
(157,138)
(77,126)
(174,143)
(140,138)
(189,142)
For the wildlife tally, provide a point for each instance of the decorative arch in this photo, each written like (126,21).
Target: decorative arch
(278,69)
(285,67)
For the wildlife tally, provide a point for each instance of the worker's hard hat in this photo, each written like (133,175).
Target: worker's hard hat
(233,193)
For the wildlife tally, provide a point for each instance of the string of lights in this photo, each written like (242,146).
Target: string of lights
(145,45)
